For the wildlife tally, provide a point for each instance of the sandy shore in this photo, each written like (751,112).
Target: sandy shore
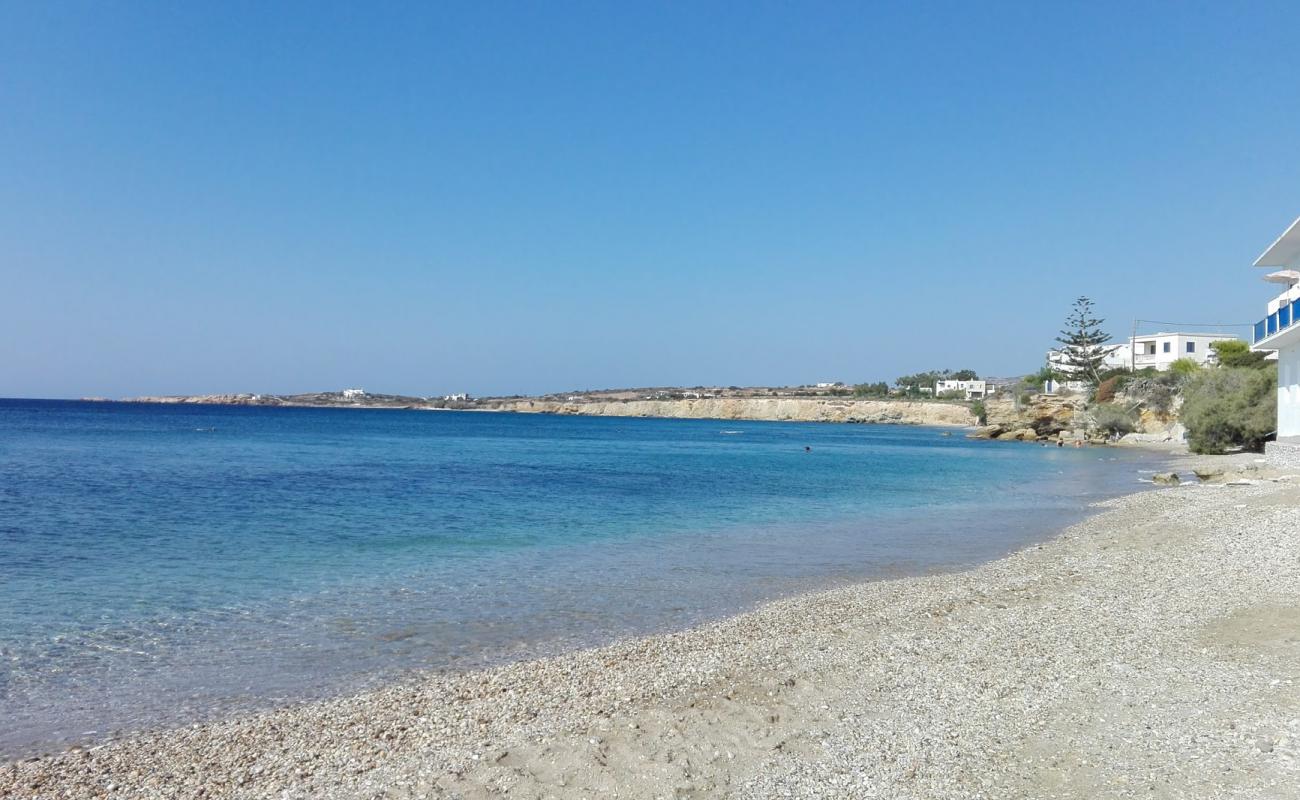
(1151,651)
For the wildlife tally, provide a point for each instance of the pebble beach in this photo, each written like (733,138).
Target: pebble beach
(1152,650)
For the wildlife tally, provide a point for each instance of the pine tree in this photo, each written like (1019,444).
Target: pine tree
(1083,343)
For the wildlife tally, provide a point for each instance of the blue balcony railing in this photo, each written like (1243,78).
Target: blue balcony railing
(1282,319)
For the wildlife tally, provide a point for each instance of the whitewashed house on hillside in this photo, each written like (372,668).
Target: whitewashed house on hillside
(1158,350)
(1117,355)
(1279,332)
(974,390)
(1068,387)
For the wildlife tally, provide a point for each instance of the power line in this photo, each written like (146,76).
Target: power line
(1197,324)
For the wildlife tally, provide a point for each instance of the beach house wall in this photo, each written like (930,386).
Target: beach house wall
(1279,332)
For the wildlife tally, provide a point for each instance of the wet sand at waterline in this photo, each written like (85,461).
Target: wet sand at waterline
(1149,651)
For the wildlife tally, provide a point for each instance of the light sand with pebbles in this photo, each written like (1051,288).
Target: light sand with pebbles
(1151,651)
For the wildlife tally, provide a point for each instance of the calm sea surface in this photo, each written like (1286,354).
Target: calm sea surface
(160,564)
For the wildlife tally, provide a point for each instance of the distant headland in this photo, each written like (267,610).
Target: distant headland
(824,402)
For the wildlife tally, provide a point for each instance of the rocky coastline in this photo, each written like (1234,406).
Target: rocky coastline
(844,410)
(775,409)
(1067,419)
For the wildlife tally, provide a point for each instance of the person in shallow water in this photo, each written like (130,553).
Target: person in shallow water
(807,449)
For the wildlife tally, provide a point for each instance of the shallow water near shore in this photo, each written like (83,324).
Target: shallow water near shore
(161,564)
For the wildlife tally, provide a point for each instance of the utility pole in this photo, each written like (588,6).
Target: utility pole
(1132,348)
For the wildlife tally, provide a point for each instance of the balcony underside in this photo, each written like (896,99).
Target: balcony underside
(1285,337)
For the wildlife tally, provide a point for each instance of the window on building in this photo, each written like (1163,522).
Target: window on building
(1166,347)
(1191,347)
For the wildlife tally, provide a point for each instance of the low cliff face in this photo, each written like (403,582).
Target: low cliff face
(1044,416)
(1071,417)
(774,409)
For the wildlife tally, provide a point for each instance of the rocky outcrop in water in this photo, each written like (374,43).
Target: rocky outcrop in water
(1039,417)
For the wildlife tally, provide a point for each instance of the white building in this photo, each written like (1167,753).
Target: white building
(352,394)
(1279,332)
(1068,387)
(1158,350)
(1117,356)
(974,390)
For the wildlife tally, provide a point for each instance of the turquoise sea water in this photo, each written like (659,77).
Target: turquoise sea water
(166,563)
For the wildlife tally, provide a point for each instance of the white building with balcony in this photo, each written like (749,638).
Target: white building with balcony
(1160,350)
(974,390)
(1157,350)
(1279,332)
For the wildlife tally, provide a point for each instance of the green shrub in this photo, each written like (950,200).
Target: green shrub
(1114,419)
(1236,353)
(880,389)
(1230,407)
(1184,367)
(1040,377)
(980,411)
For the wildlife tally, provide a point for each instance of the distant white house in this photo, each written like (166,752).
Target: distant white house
(1116,356)
(1057,387)
(974,390)
(457,398)
(829,384)
(351,394)
(1279,332)
(1158,350)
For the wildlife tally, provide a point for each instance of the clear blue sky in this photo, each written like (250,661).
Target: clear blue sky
(495,198)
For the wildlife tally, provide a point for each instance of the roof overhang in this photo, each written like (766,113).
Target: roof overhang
(1285,252)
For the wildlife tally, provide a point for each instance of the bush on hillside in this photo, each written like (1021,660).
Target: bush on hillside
(1229,408)
(1184,367)
(1114,419)
(980,411)
(1156,391)
(880,389)
(1236,353)
(1037,379)
(1106,389)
